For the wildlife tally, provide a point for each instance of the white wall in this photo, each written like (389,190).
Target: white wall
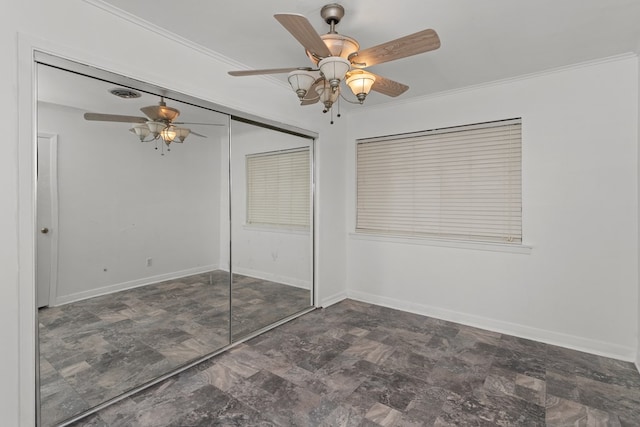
(80,31)
(579,285)
(278,255)
(121,202)
(331,228)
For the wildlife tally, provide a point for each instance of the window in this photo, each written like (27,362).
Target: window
(462,183)
(278,188)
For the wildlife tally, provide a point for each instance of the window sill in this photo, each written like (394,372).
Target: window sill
(276,229)
(447,243)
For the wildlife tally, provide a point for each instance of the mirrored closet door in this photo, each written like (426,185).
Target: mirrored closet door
(168,228)
(133,241)
(271,226)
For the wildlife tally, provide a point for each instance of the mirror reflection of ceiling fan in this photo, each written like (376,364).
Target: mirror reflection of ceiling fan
(159,125)
(339,58)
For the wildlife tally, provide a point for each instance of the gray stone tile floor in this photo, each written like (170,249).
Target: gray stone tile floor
(356,364)
(96,349)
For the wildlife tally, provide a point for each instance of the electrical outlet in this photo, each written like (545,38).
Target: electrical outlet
(149,262)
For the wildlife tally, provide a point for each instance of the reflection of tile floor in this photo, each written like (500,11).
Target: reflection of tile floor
(96,349)
(355,364)
(258,303)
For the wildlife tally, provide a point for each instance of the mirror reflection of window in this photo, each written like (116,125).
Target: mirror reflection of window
(271,226)
(278,189)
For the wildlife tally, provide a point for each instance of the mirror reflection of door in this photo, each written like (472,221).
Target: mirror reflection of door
(46,240)
(271,175)
(143,243)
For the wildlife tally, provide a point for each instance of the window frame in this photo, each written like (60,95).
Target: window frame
(409,237)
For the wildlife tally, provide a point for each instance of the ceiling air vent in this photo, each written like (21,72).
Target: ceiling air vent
(124,93)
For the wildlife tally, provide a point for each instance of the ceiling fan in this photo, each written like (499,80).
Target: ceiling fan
(338,57)
(159,125)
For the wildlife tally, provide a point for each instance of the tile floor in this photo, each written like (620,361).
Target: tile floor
(96,349)
(356,364)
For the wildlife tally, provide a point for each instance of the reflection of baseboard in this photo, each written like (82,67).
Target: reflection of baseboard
(291,281)
(66,299)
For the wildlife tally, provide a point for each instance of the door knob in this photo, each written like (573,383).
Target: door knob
(44,230)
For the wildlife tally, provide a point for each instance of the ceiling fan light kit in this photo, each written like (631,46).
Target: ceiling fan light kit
(301,81)
(333,69)
(339,59)
(328,95)
(168,134)
(142,130)
(182,133)
(159,125)
(360,83)
(155,127)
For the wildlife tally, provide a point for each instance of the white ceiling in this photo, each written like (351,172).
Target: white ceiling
(482,41)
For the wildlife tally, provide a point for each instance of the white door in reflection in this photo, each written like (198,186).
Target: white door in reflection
(46,220)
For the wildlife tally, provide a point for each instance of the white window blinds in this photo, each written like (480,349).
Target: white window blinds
(278,188)
(462,182)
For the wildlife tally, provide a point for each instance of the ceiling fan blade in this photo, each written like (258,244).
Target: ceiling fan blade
(309,101)
(303,31)
(312,96)
(197,134)
(388,87)
(413,44)
(199,124)
(258,72)
(114,118)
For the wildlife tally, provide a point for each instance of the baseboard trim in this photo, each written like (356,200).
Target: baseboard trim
(333,299)
(597,347)
(78,296)
(290,281)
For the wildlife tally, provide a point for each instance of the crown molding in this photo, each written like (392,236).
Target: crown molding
(495,83)
(136,20)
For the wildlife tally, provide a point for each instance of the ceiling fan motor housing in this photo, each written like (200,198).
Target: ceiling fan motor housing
(339,45)
(332,13)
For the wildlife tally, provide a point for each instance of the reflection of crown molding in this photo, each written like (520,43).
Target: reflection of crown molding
(53,104)
(142,23)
